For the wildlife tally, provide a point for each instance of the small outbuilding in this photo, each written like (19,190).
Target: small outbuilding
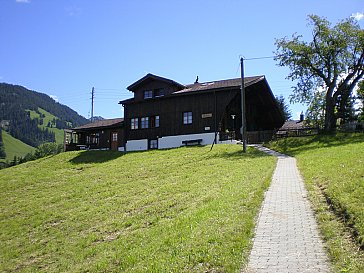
(106,134)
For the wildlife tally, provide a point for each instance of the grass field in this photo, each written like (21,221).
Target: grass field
(48,118)
(333,169)
(14,147)
(178,210)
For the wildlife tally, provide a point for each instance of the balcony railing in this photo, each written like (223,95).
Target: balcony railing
(223,136)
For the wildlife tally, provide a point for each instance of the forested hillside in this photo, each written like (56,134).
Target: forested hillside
(2,150)
(16,105)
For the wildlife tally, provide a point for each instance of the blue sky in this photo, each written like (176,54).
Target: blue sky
(64,48)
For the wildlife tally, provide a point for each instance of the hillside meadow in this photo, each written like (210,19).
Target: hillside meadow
(14,147)
(179,210)
(333,169)
(48,117)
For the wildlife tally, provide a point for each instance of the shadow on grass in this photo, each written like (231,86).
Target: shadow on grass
(95,157)
(251,153)
(296,145)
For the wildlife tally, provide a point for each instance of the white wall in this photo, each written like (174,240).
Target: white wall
(137,145)
(174,141)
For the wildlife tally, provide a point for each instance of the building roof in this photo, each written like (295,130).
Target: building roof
(293,125)
(149,77)
(101,124)
(200,87)
(207,86)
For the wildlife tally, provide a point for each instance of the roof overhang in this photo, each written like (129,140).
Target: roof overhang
(150,77)
(100,124)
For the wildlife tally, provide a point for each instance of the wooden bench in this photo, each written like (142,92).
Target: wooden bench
(82,147)
(192,142)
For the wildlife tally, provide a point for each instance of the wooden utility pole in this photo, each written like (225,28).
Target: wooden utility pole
(92,103)
(243,108)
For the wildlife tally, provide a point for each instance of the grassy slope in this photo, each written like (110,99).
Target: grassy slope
(48,117)
(179,210)
(14,147)
(333,169)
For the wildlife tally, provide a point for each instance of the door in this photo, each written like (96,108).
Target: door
(114,141)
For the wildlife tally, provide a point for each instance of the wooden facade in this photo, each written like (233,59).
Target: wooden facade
(105,134)
(166,114)
(199,108)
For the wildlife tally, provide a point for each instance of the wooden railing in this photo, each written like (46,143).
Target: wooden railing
(296,132)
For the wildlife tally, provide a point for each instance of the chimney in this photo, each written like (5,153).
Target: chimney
(302,117)
(196,80)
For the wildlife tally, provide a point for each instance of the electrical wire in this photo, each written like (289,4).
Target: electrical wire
(259,58)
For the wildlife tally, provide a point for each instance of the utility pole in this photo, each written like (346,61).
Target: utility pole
(243,108)
(92,103)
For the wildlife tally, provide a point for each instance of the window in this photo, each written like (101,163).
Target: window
(187,117)
(145,122)
(154,122)
(159,92)
(114,136)
(134,123)
(153,144)
(93,139)
(148,94)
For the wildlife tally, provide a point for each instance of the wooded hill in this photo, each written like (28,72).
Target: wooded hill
(17,108)
(2,150)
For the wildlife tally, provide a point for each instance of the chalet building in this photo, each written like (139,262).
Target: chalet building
(107,134)
(166,114)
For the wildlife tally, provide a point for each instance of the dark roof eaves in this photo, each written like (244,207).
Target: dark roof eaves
(149,75)
(98,124)
(212,89)
(255,79)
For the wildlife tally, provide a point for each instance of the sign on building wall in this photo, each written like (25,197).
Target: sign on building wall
(207,115)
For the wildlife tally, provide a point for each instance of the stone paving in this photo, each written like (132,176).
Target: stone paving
(286,236)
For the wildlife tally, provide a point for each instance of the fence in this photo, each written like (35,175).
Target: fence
(296,132)
(254,137)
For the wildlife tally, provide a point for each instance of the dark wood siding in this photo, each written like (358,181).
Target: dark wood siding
(153,85)
(170,110)
(104,135)
(211,111)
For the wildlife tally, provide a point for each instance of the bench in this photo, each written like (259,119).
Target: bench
(192,142)
(82,147)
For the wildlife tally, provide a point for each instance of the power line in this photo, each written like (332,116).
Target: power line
(259,58)
(112,89)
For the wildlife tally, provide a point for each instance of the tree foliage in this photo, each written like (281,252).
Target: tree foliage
(2,150)
(284,107)
(332,61)
(360,97)
(49,148)
(315,114)
(43,150)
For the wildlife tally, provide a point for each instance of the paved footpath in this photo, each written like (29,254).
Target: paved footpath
(286,237)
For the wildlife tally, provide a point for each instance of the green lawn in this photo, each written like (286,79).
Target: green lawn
(14,147)
(333,169)
(178,210)
(48,118)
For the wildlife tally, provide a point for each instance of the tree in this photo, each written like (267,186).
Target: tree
(360,97)
(2,149)
(333,60)
(346,111)
(284,107)
(48,148)
(315,114)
